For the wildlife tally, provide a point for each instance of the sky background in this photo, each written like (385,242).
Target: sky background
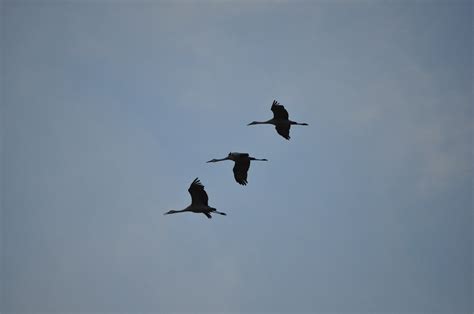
(111,108)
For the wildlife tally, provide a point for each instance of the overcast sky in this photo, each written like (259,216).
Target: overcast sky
(111,108)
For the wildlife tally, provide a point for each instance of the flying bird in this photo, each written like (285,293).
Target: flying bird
(199,201)
(241,166)
(280,120)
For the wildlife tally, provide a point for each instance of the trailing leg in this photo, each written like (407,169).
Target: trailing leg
(220,213)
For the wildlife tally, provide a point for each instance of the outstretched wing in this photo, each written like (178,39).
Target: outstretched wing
(198,195)
(240,169)
(279,112)
(283,130)
(240,155)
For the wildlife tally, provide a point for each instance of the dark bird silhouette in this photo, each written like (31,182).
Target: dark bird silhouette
(241,166)
(199,201)
(280,120)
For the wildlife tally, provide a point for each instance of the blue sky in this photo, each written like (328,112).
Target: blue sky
(111,108)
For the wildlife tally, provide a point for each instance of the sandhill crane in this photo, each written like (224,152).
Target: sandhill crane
(280,120)
(241,166)
(199,200)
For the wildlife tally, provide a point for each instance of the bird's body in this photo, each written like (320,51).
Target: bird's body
(280,120)
(199,201)
(241,166)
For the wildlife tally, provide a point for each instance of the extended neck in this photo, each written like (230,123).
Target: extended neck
(261,122)
(217,160)
(176,211)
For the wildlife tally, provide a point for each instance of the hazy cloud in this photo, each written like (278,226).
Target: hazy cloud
(112,109)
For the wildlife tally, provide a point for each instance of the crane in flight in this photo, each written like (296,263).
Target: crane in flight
(199,201)
(241,166)
(280,120)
